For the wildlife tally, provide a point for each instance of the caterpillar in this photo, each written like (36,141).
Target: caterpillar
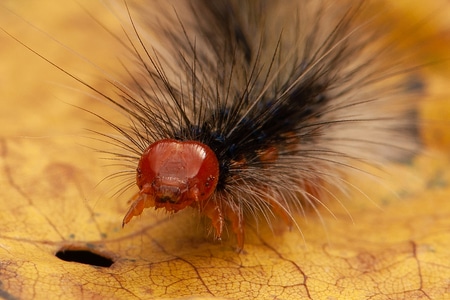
(257,109)
(256,106)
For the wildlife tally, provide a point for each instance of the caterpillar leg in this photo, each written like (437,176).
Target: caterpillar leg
(280,207)
(140,201)
(219,212)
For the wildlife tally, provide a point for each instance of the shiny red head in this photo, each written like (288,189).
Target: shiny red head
(176,174)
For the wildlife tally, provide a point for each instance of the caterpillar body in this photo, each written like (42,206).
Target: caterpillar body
(258,109)
(252,107)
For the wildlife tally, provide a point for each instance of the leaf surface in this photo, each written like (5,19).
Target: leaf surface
(394,245)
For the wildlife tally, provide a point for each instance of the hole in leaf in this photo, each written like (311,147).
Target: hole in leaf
(84,257)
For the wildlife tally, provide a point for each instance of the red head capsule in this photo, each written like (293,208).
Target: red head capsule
(174,174)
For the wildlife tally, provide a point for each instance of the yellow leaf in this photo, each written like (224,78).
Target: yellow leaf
(396,247)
